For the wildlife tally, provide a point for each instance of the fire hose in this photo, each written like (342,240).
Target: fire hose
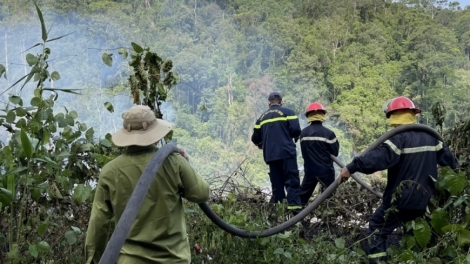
(121,231)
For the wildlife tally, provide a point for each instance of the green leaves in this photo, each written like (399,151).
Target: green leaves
(81,193)
(11,116)
(55,76)
(453,182)
(107,59)
(15,99)
(463,235)
(26,143)
(33,250)
(422,232)
(71,235)
(43,227)
(439,219)
(36,101)
(31,59)
(5,197)
(136,47)
(340,243)
(43,25)
(109,106)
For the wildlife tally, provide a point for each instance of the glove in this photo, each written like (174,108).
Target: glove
(296,139)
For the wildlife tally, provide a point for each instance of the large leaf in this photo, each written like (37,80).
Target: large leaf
(26,143)
(33,250)
(422,232)
(71,237)
(109,106)
(340,242)
(43,246)
(136,47)
(81,193)
(5,196)
(11,116)
(89,133)
(31,59)
(15,99)
(43,25)
(439,219)
(55,76)
(455,183)
(106,143)
(107,59)
(35,101)
(43,227)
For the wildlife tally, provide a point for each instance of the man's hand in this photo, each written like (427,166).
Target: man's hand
(183,153)
(344,175)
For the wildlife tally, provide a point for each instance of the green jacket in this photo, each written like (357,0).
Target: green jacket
(158,234)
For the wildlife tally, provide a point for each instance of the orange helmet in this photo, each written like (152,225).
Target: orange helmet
(400,103)
(314,107)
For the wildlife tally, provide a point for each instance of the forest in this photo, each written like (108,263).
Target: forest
(65,83)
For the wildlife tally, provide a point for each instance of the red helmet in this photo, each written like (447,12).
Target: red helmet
(314,107)
(401,103)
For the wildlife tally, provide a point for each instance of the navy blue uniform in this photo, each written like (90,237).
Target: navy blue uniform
(317,143)
(274,132)
(411,159)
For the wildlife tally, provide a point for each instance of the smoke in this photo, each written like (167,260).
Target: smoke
(77,58)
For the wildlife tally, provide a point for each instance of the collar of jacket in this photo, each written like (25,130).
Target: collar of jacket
(316,122)
(136,150)
(275,105)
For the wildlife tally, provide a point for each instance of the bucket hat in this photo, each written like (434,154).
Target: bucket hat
(140,127)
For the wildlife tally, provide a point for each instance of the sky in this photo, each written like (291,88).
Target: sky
(464,3)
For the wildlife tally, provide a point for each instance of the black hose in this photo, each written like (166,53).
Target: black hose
(323,196)
(121,231)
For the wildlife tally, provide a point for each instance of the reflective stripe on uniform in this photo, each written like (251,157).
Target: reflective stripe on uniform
(331,141)
(378,255)
(294,207)
(277,119)
(413,150)
(393,147)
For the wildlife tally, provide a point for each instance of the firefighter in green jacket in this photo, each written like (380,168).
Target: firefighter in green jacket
(158,234)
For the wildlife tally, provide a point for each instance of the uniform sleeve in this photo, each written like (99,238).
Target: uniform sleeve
(445,156)
(256,138)
(383,157)
(333,144)
(195,188)
(294,125)
(101,214)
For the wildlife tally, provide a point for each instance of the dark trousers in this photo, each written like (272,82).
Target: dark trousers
(310,182)
(284,176)
(385,224)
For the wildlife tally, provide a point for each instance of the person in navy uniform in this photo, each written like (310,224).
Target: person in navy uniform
(411,160)
(276,132)
(317,144)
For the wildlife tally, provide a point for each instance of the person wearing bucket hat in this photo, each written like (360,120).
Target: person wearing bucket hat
(158,234)
(411,160)
(275,132)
